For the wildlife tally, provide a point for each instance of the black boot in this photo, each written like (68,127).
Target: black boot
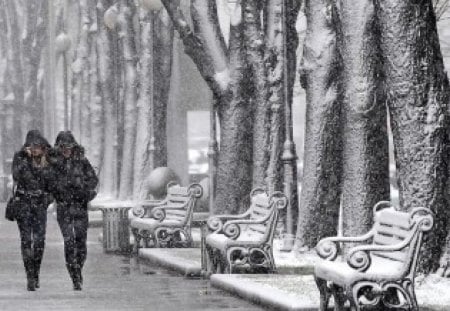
(36,280)
(38,254)
(36,274)
(75,276)
(78,279)
(29,270)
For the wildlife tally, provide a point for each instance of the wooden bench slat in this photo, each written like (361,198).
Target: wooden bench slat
(398,219)
(396,256)
(178,191)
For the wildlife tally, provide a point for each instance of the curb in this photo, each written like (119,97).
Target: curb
(160,258)
(266,296)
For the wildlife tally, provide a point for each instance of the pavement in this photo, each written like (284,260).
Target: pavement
(112,282)
(292,289)
(187,261)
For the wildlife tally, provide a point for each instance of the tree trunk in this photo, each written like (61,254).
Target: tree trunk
(234,172)
(143,158)
(127,9)
(33,44)
(16,68)
(319,203)
(79,76)
(365,165)
(255,58)
(162,69)
(107,80)
(418,97)
(96,125)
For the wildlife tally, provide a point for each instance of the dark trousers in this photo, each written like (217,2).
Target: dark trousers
(32,223)
(73,221)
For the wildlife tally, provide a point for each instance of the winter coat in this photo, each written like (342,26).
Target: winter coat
(33,183)
(74,178)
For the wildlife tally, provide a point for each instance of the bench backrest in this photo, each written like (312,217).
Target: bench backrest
(260,208)
(264,207)
(183,197)
(394,227)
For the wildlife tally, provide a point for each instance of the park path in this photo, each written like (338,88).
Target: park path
(112,282)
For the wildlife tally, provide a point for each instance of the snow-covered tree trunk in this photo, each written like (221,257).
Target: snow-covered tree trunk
(365,164)
(418,97)
(106,44)
(162,68)
(96,105)
(16,68)
(240,91)
(142,158)
(255,57)
(34,39)
(80,67)
(127,37)
(234,171)
(319,202)
(87,84)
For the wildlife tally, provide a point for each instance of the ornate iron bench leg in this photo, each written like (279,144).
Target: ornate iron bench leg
(339,297)
(145,238)
(352,298)
(210,268)
(137,240)
(324,293)
(412,297)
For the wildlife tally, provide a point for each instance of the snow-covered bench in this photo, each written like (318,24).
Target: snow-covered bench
(244,240)
(381,271)
(166,223)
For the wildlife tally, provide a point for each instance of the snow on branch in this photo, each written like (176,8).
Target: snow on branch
(206,53)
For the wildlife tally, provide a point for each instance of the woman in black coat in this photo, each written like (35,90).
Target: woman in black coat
(31,173)
(75,181)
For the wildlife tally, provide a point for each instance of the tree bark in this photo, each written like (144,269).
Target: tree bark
(127,34)
(163,33)
(33,44)
(96,119)
(365,165)
(319,202)
(418,96)
(107,80)
(255,48)
(143,163)
(16,68)
(79,76)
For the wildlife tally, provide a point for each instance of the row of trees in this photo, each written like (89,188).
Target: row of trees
(119,56)
(365,63)
(374,60)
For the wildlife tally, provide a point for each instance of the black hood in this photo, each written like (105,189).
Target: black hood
(66,139)
(34,137)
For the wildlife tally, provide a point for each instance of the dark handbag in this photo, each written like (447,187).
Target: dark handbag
(13,206)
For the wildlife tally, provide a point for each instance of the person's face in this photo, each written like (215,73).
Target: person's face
(36,150)
(67,152)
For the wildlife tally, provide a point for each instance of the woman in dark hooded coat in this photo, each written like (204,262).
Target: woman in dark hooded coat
(31,173)
(75,181)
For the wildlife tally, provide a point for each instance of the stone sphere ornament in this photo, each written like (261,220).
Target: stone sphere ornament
(62,43)
(152,5)
(157,180)
(111,17)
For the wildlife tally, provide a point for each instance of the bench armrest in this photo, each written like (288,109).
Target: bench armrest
(145,207)
(216,223)
(232,229)
(328,248)
(159,212)
(359,256)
